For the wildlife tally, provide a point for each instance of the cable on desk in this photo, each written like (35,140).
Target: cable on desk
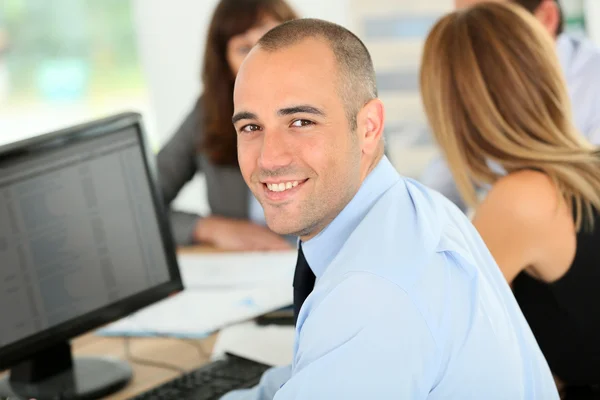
(144,361)
(204,355)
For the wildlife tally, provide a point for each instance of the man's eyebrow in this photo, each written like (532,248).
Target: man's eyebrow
(243,115)
(300,109)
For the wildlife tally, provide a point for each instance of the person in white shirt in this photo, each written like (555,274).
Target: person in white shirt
(580,61)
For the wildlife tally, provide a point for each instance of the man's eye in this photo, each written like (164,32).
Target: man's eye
(250,128)
(299,123)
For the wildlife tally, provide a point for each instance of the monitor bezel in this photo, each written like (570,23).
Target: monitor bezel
(24,349)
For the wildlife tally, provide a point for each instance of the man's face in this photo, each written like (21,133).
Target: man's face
(295,147)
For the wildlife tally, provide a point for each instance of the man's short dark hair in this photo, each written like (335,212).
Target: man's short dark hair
(356,80)
(532,5)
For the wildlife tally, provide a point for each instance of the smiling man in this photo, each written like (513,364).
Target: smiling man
(303,159)
(396,296)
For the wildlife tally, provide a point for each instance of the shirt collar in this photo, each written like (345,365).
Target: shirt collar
(321,249)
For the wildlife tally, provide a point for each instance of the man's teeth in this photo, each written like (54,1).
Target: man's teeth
(280,187)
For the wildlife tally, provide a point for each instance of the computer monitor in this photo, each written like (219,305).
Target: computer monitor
(84,240)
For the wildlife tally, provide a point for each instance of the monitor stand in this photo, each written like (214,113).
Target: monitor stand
(54,374)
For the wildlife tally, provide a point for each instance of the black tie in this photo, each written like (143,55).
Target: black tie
(304,282)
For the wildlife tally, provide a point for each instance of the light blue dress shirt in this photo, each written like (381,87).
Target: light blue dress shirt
(408,304)
(580,61)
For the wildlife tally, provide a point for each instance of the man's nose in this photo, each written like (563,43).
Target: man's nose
(275,152)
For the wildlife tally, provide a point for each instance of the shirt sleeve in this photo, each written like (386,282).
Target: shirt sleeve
(364,340)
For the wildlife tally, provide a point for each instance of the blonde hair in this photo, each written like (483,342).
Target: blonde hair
(493,90)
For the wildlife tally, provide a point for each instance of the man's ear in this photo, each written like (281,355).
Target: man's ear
(548,14)
(370,124)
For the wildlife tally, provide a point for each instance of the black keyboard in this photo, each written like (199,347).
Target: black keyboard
(211,381)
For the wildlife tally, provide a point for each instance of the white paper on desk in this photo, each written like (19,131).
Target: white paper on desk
(198,313)
(271,344)
(200,270)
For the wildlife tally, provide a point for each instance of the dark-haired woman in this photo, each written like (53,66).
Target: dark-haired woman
(206,140)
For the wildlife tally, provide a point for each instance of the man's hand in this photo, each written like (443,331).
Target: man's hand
(234,234)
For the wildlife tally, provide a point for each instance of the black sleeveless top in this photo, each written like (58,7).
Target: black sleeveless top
(565,315)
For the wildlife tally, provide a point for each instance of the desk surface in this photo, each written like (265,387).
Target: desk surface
(186,354)
(183,354)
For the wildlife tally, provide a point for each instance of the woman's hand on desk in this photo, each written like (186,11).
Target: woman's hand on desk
(234,234)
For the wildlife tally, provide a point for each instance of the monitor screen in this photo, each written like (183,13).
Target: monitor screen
(84,241)
(77,232)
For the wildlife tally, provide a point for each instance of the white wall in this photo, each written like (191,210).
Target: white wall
(171,38)
(169,44)
(592,16)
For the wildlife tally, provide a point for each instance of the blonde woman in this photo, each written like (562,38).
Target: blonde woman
(493,93)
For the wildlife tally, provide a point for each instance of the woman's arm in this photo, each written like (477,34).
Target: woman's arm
(177,159)
(177,165)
